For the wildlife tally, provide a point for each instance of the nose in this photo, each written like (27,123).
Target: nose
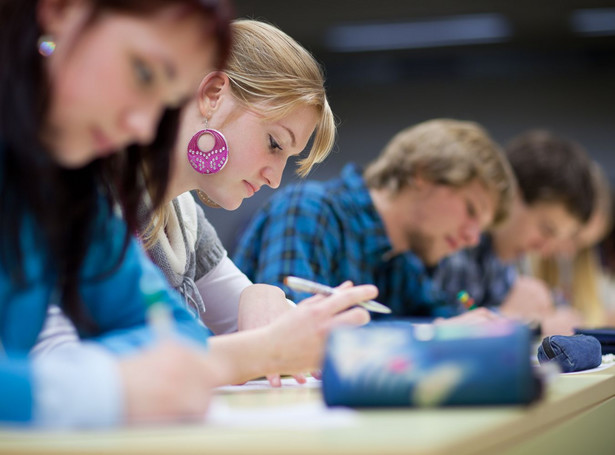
(537,244)
(273,175)
(471,234)
(141,123)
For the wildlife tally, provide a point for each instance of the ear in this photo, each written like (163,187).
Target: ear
(419,183)
(55,16)
(212,90)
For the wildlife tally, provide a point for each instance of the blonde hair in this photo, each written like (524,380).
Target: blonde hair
(447,152)
(583,290)
(273,74)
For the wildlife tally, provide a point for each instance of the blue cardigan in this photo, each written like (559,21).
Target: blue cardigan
(115,303)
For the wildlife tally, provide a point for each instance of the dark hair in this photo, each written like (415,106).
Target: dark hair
(64,203)
(554,170)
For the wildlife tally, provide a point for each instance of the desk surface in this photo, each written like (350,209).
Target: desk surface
(569,410)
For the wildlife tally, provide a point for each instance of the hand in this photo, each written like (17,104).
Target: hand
(291,344)
(169,381)
(477,316)
(529,299)
(561,322)
(298,338)
(259,305)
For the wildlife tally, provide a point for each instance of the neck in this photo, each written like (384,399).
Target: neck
(388,207)
(182,175)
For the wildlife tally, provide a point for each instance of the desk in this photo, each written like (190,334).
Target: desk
(576,416)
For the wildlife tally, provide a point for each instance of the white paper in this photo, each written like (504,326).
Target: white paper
(263,384)
(607,362)
(297,416)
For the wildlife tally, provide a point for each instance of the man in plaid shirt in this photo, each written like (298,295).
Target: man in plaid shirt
(432,191)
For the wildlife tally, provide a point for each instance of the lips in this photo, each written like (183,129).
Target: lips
(251,188)
(453,245)
(102,143)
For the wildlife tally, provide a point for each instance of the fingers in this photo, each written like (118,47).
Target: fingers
(355,316)
(345,285)
(274,380)
(300,378)
(313,299)
(316,374)
(319,297)
(349,297)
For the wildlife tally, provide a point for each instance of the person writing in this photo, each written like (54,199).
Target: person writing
(181,241)
(109,76)
(554,198)
(431,192)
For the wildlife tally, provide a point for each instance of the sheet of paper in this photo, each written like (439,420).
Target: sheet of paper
(296,416)
(607,362)
(263,384)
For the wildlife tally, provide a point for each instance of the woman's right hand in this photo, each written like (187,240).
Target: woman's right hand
(298,337)
(169,381)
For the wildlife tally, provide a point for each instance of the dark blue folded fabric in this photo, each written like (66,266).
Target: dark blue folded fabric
(571,353)
(605,335)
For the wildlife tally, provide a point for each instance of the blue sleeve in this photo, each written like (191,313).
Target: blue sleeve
(115,300)
(483,276)
(296,233)
(499,286)
(16,381)
(77,385)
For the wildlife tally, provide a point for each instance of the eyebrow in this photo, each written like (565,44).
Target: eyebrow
(292,135)
(169,69)
(481,206)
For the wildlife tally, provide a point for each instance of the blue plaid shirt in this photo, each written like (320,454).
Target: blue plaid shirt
(479,272)
(330,232)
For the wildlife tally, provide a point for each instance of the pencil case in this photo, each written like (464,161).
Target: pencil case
(605,335)
(390,365)
(571,353)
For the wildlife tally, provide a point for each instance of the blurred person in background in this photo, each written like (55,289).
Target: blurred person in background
(572,270)
(554,198)
(431,192)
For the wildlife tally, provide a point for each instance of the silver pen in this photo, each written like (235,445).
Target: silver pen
(303,285)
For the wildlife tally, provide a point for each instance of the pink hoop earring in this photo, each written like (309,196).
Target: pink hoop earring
(212,161)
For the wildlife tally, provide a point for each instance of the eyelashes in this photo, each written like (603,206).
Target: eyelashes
(143,72)
(273,145)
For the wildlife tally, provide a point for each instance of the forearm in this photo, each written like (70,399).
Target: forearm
(243,356)
(221,289)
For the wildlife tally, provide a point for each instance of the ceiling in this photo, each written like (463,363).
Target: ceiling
(540,23)
(540,38)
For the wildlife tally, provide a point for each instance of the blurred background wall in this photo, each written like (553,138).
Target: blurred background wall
(509,65)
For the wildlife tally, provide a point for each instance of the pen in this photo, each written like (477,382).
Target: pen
(158,315)
(303,285)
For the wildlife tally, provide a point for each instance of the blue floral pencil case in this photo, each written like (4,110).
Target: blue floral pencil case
(394,364)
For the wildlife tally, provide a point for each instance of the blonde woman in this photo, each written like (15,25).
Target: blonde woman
(572,270)
(249,118)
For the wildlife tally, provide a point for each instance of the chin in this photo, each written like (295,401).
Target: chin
(230,205)
(73,160)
